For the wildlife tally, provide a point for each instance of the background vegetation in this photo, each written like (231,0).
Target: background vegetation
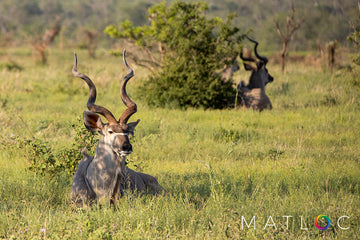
(325,20)
(301,159)
(189,52)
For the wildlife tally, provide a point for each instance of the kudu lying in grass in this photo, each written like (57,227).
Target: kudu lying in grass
(253,94)
(105,175)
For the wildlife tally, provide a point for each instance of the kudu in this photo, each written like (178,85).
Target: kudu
(105,176)
(253,94)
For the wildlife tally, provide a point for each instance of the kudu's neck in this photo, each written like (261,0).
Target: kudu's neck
(105,153)
(256,81)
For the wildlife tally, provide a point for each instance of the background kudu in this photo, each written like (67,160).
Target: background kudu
(253,94)
(105,176)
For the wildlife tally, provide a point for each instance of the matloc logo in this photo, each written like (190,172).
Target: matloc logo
(319,222)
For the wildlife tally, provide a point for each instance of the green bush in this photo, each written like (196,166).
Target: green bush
(176,87)
(354,36)
(11,66)
(43,158)
(193,50)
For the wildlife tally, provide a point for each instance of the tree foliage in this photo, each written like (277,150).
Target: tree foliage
(354,36)
(325,20)
(192,51)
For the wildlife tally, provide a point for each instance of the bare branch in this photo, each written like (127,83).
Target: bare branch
(291,26)
(278,30)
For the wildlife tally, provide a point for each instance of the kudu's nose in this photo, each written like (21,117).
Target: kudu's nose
(271,78)
(126,147)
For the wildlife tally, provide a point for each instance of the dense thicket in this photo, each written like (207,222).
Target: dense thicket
(325,20)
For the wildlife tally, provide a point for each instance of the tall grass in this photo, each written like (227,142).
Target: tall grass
(219,166)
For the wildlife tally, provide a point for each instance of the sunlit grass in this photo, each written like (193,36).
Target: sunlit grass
(301,159)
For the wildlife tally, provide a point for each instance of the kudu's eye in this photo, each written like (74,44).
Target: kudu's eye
(110,131)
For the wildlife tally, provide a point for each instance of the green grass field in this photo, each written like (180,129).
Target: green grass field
(234,174)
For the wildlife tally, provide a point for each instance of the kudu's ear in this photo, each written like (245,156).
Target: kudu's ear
(132,126)
(92,121)
(248,67)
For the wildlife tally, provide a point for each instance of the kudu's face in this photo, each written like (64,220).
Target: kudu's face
(263,74)
(115,133)
(117,137)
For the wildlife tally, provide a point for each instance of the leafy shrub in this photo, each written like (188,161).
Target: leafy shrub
(193,49)
(354,37)
(274,154)
(230,135)
(11,66)
(354,80)
(194,87)
(45,159)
